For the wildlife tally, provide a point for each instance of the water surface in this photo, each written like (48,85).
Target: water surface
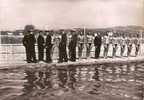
(100,82)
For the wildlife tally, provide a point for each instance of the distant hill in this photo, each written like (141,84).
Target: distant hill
(118,29)
(129,28)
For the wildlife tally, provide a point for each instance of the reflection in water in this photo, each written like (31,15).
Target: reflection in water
(72,78)
(119,81)
(30,77)
(47,79)
(96,73)
(62,75)
(96,85)
(39,82)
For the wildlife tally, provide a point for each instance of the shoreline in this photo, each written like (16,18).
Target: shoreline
(82,62)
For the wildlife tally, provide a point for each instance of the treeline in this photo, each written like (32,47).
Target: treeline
(11,39)
(15,37)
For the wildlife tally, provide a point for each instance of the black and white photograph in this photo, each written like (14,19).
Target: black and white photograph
(71,49)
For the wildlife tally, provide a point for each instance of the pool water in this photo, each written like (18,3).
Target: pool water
(99,82)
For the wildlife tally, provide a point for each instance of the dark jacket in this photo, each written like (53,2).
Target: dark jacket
(29,40)
(48,41)
(73,42)
(63,42)
(97,41)
(40,40)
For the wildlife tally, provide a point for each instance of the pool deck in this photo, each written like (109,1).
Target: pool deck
(82,62)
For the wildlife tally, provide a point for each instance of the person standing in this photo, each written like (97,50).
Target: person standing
(137,44)
(115,45)
(53,43)
(25,40)
(62,48)
(48,48)
(69,40)
(129,45)
(97,44)
(89,39)
(29,43)
(106,44)
(55,48)
(40,42)
(122,44)
(80,44)
(72,47)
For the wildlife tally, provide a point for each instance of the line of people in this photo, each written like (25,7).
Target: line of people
(123,42)
(73,40)
(49,44)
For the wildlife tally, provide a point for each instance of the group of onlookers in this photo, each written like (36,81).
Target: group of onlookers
(68,43)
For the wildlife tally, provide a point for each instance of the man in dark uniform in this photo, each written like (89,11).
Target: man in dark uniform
(97,44)
(62,48)
(48,48)
(26,36)
(72,47)
(40,42)
(29,43)
(137,44)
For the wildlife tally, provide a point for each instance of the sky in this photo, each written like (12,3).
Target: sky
(53,14)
